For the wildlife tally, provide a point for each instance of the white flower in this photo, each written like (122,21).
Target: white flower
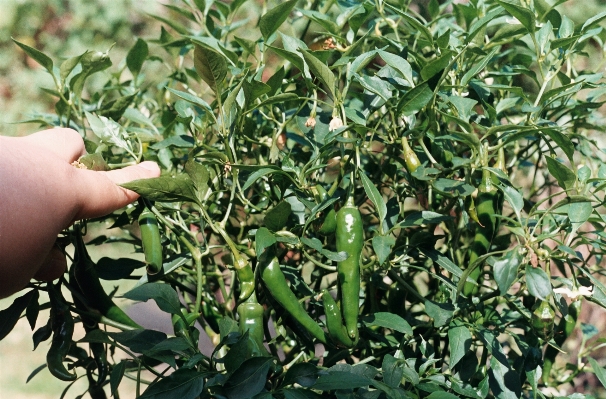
(311,122)
(335,123)
(575,292)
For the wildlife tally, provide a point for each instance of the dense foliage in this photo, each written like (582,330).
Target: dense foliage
(432,168)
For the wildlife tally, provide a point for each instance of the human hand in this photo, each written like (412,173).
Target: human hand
(41,193)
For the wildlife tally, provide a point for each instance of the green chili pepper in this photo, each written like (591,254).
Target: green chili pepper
(410,157)
(95,388)
(62,325)
(327,224)
(542,320)
(150,237)
(88,282)
(334,321)
(274,280)
(350,239)
(251,319)
(485,230)
(563,330)
(246,276)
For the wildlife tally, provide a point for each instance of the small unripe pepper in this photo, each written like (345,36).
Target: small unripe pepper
(327,224)
(542,320)
(410,157)
(150,238)
(251,319)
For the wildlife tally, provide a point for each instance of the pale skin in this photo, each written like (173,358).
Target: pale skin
(41,194)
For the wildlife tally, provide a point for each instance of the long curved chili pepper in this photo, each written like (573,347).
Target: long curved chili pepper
(62,325)
(485,231)
(334,321)
(275,281)
(88,281)
(350,239)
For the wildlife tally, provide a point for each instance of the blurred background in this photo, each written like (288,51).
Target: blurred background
(65,28)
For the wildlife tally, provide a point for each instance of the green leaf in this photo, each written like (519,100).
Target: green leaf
(10,315)
(276,218)
(191,98)
(414,100)
(280,98)
(382,246)
(598,370)
(164,295)
(478,66)
(564,175)
(304,374)
(375,196)
(504,382)
(443,262)
(514,198)
(300,393)
(435,66)
(460,343)
(418,26)
(182,384)
(211,67)
(137,56)
(340,380)
(562,141)
(249,379)
(579,212)
(320,71)
(108,131)
(37,55)
(164,188)
(198,173)
(441,395)
(258,174)
(392,371)
(537,282)
(418,218)
(68,66)
(388,320)
(94,161)
(506,270)
(263,239)
(591,22)
(117,269)
(441,313)
(522,14)
(116,376)
(317,245)
(453,187)
(271,21)
(398,63)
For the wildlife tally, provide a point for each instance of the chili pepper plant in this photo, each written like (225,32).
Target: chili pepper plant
(358,200)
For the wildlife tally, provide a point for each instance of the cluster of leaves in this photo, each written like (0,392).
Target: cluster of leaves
(253,114)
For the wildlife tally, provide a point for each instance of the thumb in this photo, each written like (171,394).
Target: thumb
(101,194)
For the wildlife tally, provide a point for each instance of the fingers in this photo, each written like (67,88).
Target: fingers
(67,144)
(100,193)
